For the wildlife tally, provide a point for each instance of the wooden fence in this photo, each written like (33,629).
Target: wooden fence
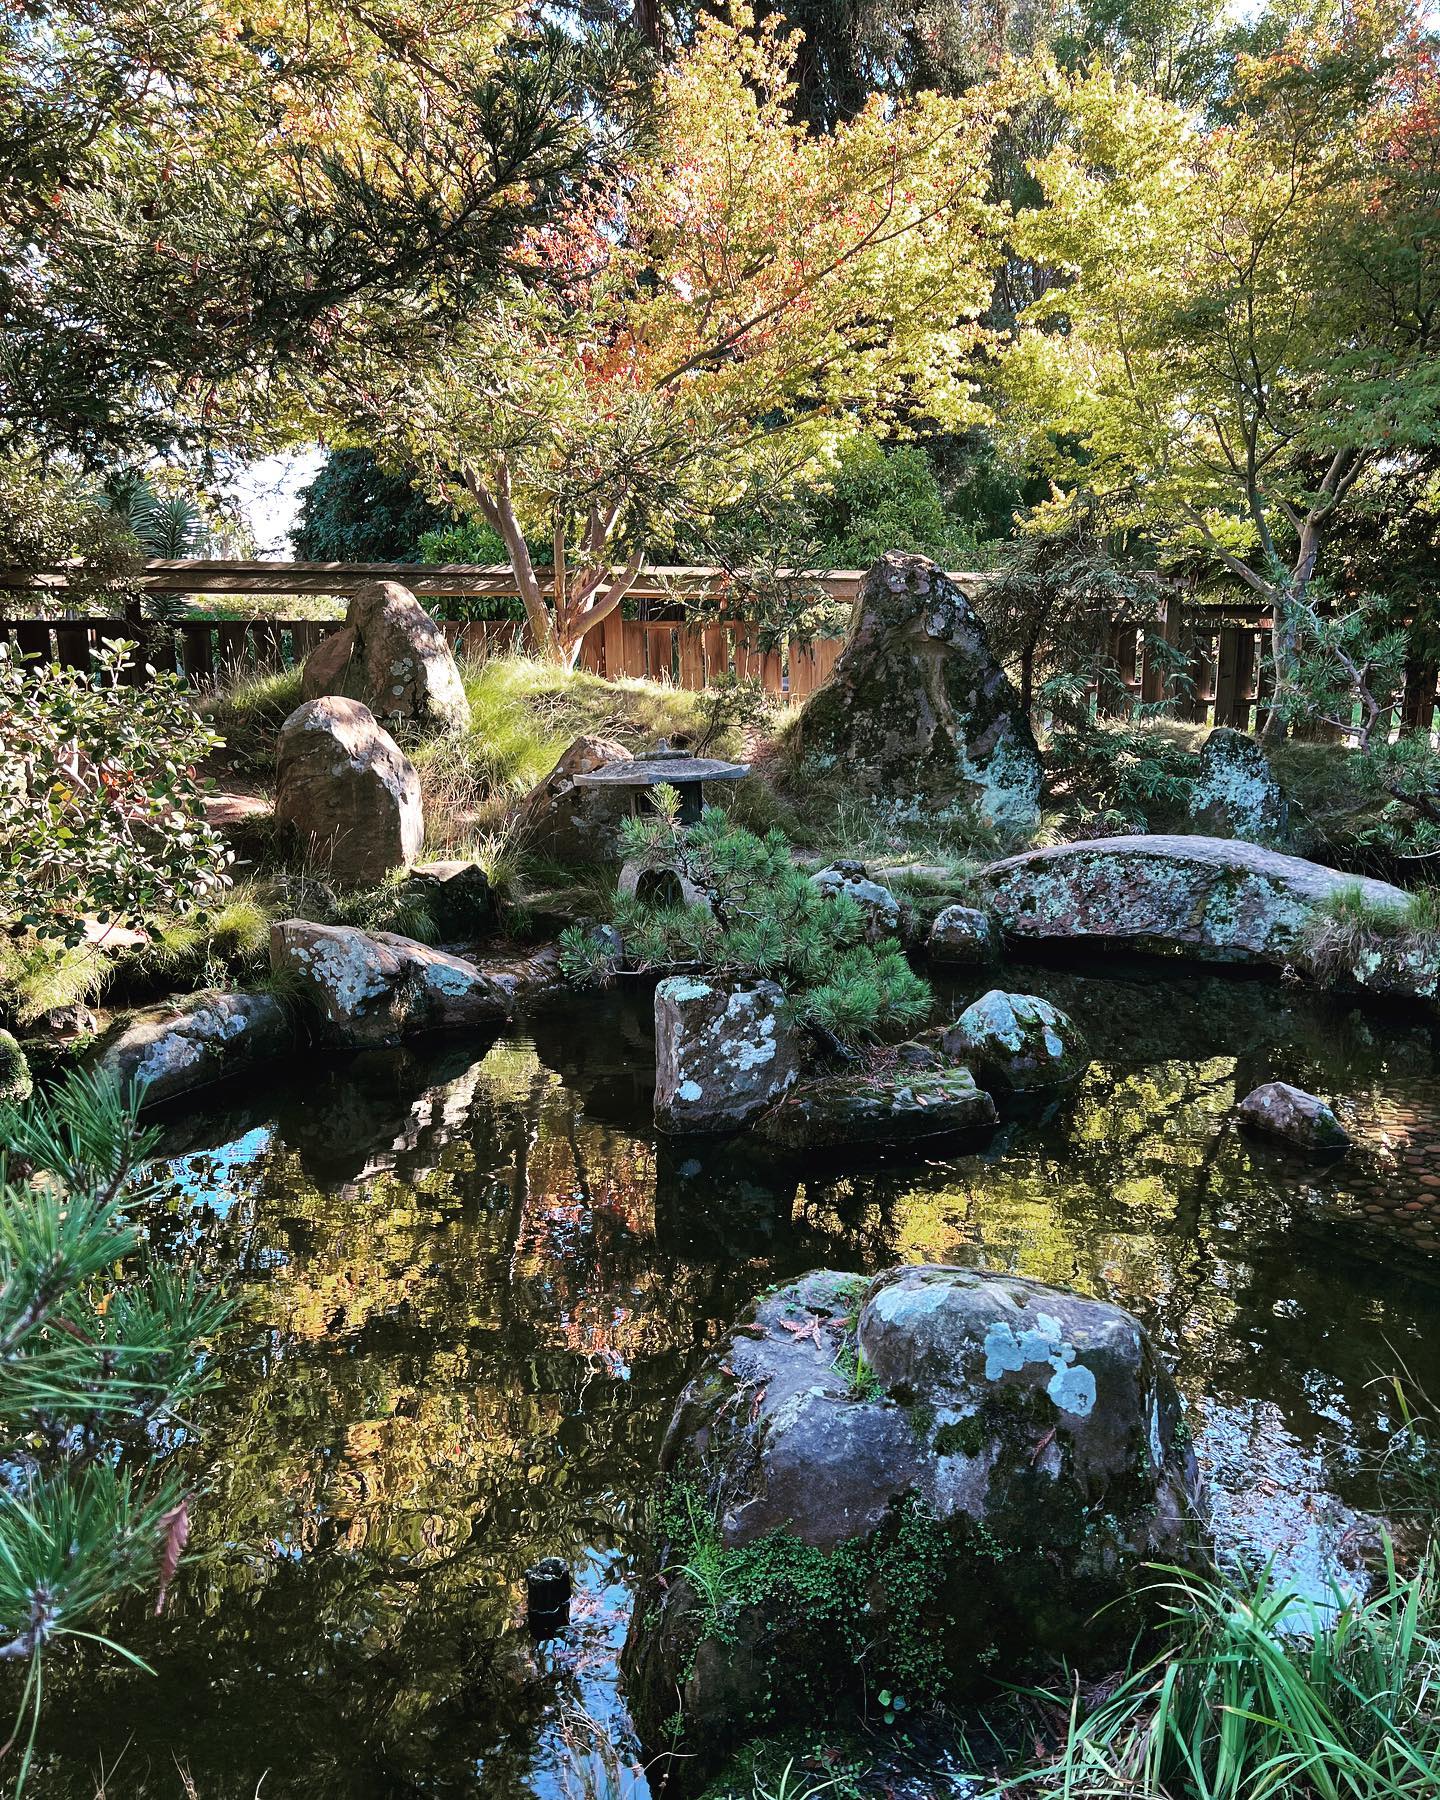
(1222,650)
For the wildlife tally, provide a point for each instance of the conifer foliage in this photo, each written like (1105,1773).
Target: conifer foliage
(99,1356)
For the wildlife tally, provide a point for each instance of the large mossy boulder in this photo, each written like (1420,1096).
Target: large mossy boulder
(1215,899)
(16,1083)
(918,715)
(902,1483)
(347,793)
(394,657)
(1018,1043)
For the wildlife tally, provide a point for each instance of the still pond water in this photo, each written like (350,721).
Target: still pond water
(471,1284)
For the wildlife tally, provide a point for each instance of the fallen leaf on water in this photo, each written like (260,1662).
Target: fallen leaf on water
(175,1530)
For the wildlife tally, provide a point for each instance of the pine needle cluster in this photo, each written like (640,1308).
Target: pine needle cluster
(765,917)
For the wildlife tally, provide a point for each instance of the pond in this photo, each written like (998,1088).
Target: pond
(471,1283)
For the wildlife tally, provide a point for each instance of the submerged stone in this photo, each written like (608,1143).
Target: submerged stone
(193,1041)
(905,1482)
(1289,1113)
(1019,1042)
(918,715)
(895,1108)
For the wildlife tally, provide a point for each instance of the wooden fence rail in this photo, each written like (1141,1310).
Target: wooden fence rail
(1223,650)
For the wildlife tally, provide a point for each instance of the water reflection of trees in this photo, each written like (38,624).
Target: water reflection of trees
(472,1283)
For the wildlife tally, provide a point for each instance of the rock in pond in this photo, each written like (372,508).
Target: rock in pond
(393,657)
(1289,1113)
(896,1108)
(963,937)
(16,1084)
(1216,899)
(877,903)
(192,1041)
(1236,793)
(722,1053)
(918,714)
(572,824)
(378,988)
(1018,1043)
(347,791)
(923,1476)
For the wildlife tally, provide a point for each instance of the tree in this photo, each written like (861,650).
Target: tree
(97,1352)
(1251,313)
(356,511)
(196,200)
(748,291)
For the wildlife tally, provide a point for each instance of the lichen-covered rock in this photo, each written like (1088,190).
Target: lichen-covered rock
(722,1053)
(904,1482)
(895,1108)
(964,937)
(879,905)
(379,988)
(457,896)
(193,1041)
(918,715)
(347,791)
(1236,793)
(1216,899)
(572,824)
(1286,1112)
(1018,1043)
(394,657)
(16,1084)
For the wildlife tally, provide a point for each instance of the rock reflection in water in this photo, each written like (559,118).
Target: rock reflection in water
(471,1283)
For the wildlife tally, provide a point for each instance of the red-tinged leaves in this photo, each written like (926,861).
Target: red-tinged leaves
(175,1534)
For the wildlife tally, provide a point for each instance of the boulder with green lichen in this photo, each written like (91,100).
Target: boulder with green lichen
(16,1084)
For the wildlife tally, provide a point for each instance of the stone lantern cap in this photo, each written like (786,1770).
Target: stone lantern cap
(663,764)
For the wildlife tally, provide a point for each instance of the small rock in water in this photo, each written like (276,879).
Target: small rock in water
(1018,1043)
(963,936)
(1289,1113)
(722,1053)
(910,1104)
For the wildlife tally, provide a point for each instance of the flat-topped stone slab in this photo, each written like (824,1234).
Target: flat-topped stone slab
(1215,899)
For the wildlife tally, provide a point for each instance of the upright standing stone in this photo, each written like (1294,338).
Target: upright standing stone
(722,1054)
(1236,793)
(918,713)
(347,791)
(394,657)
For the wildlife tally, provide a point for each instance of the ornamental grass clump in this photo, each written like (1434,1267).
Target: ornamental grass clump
(764,917)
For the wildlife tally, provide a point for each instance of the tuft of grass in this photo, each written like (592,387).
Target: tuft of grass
(248,713)
(523,715)
(1258,1692)
(229,942)
(1349,929)
(37,975)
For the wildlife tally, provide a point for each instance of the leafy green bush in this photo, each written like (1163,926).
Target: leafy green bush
(765,918)
(886,498)
(101,806)
(1125,775)
(356,511)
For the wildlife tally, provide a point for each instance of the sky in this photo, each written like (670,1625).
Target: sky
(268,495)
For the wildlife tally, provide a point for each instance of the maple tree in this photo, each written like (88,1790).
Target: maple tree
(745,295)
(1251,311)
